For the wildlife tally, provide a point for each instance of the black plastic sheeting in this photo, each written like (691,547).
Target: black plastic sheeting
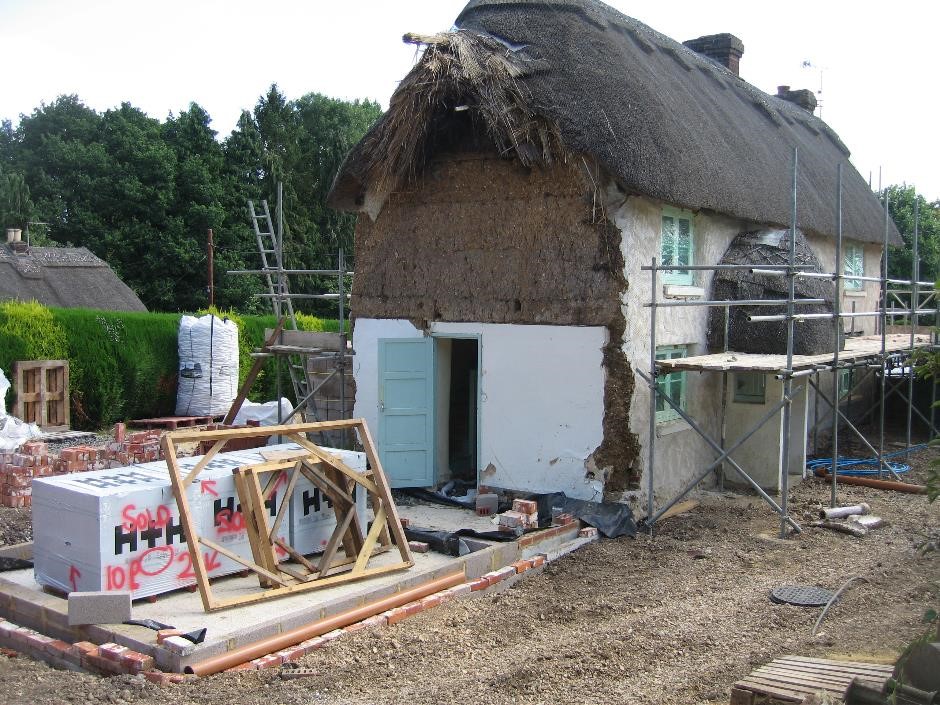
(609,518)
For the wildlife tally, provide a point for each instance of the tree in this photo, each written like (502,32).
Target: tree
(16,207)
(901,208)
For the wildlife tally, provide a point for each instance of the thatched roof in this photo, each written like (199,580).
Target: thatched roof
(69,277)
(548,79)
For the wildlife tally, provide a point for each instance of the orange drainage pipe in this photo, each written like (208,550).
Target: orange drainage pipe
(877,484)
(344,619)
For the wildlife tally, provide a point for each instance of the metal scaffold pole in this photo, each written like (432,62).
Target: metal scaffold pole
(837,337)
(650,503)
(915,304)
(788,381)
(884,342)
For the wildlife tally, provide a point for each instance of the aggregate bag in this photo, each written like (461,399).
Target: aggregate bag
(208,370)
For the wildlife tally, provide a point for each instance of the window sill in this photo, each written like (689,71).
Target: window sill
(854,293)
(683,291)
(667,428)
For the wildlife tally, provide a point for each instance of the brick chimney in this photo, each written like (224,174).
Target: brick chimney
(804,98)
(725,49)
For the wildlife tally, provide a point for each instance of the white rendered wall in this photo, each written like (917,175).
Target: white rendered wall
(680,451)
(541,399)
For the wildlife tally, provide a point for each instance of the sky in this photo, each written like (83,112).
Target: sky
(875,63)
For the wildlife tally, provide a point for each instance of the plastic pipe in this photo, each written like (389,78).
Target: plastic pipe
(839,512)
(877,484)
(344,619)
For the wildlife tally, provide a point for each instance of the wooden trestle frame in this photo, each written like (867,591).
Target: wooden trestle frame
(254,485)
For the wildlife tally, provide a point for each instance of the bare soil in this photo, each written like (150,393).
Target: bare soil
(673,619)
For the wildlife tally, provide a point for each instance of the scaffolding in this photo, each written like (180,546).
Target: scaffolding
(317,363)
(891,356)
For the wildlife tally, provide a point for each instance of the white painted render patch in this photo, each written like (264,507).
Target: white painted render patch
(541,399)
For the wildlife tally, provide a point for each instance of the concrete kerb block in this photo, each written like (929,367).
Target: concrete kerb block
(99,607)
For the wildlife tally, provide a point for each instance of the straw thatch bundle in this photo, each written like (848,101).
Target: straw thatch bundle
(459,72)
(769,247)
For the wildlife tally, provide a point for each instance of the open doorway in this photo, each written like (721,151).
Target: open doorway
(457,402)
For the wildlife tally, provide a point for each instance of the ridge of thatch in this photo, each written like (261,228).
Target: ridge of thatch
(660,119)
(66,277)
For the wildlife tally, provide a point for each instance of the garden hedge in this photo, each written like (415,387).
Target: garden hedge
(122,365)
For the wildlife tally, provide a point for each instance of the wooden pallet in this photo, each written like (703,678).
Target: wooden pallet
(42,393)
(172,423)
(791,678)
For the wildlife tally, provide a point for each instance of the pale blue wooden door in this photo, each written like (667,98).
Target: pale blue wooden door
(406,405)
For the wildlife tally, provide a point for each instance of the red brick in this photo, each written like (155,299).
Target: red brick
(588,532)
(292,654)
(538,561)
(57,647)
(136,662)
(270,661)
(396,615)
(419,546)
(430,601)
(525,506)
(102,664)
(522,566)
(112,652)
(475,585)
(161,678)
(80,648)
(247,666)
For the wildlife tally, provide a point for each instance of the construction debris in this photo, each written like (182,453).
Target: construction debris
(840,512)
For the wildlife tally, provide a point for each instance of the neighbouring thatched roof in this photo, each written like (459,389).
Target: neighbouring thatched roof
(69,277)
(547,79)
(769,247)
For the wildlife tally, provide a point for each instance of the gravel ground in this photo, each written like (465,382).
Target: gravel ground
(675,619)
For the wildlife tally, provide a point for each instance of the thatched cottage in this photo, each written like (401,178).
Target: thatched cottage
(533,160)
(67,277)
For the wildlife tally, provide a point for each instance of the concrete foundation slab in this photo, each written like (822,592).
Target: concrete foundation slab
(23,601)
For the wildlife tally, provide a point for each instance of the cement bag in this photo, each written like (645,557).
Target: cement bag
(265,414)
(208,372)
(4,386)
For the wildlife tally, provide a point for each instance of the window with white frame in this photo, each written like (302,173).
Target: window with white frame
(672,384)
(750,387)
(676,247)
(853,264)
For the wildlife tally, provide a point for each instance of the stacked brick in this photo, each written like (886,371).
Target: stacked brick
(17,470)
(108,659)
(524,515)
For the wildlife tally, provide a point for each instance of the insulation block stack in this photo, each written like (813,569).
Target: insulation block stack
(17,471)
(125,534)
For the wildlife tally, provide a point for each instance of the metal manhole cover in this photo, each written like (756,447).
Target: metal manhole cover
(801,595)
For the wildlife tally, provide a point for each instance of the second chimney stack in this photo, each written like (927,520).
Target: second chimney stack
(725,49)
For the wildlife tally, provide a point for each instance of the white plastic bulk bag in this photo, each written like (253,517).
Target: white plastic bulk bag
(4,386)
(208,371)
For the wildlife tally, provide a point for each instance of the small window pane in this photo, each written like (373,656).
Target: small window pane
(750,388)
(676,248)
(853,263)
